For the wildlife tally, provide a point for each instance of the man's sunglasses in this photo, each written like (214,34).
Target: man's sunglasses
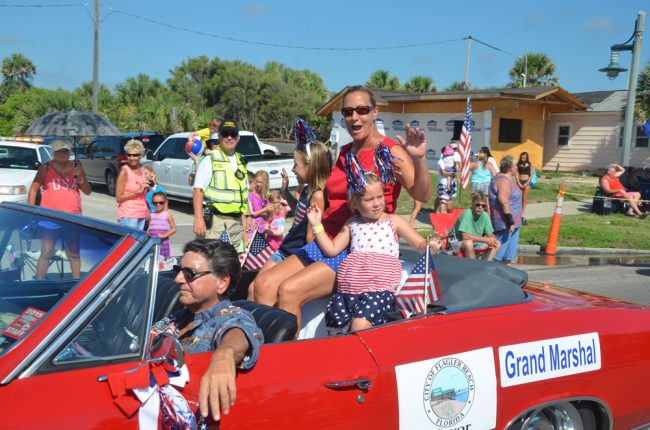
(189,274)
(229,134)
(360,110)
(480,205)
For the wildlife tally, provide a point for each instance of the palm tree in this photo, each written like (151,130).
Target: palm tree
(538,69)
(18,70)
(382,79)
(137,90)
(642,99)
(458,86)
(420,84)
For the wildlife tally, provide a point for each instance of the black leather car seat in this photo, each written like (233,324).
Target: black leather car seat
(276,325)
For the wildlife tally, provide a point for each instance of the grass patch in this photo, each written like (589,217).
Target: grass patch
(591,231)
(545,191)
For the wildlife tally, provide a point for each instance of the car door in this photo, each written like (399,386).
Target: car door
(173,167)
(307,384)
(71,380)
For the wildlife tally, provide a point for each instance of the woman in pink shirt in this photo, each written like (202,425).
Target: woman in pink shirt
(61,180)
(131,188)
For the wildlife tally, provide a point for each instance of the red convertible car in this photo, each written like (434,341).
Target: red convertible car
(493,353)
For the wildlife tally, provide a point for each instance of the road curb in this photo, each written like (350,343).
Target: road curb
(564,250)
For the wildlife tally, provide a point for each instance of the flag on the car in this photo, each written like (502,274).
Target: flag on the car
(258,252)
(410,297)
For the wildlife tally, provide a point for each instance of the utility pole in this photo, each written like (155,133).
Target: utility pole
(469,47)
(526,66)
(95,101)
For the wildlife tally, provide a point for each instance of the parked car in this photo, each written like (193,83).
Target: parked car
(173,165)
(493,355)
(268,149)
(104,156)
(20,159)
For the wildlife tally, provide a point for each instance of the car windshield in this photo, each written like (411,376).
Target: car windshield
(31,284)
(16,157)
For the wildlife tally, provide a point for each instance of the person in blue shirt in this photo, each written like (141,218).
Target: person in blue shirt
(207,274)
(154,186)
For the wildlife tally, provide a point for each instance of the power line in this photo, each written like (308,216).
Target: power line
(278,45)
(256,42)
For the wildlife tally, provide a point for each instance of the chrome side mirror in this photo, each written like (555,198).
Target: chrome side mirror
(166,346)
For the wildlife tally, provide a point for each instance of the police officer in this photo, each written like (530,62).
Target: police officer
(222,181)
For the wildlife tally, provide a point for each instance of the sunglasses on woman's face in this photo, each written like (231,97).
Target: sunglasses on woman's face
(360,110)
(189,274)
(133,155)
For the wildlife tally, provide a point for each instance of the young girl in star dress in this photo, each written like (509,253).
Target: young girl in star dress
(370,274)
(162,224)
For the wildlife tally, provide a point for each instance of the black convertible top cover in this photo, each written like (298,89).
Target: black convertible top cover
(470,284)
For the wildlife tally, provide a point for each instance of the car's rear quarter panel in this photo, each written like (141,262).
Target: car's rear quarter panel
(624,334)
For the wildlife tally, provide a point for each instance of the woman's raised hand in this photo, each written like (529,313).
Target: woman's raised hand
(314,215)
(415,143)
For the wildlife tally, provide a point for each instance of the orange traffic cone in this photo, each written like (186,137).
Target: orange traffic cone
(551,244)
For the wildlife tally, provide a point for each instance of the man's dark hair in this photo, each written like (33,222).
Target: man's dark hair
(222,259)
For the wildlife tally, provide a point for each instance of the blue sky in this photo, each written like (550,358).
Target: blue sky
(575,34)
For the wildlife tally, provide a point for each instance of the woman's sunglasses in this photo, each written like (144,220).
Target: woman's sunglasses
(360,110)
(189,274)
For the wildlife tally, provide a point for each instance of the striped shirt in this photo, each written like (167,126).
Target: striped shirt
(373,263)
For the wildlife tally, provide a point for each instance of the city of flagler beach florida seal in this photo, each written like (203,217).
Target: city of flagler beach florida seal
(448,392)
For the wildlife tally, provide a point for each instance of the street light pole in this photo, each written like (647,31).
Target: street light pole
(95,97)
(612,72)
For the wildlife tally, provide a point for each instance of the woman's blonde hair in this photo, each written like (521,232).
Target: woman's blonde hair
(264,176)
(353,198)
(134,144)
(319,166)
(151,170)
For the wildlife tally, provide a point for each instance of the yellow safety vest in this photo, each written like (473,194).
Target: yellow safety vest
(226,193)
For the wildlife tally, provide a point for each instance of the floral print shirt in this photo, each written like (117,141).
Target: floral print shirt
(209,328)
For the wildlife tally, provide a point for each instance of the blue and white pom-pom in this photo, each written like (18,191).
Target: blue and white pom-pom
(385,163)
(355,174)
(303,135)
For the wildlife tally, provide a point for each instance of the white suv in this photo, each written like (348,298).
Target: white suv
(19,161)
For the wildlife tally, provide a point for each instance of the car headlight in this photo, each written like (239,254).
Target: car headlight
(13,189)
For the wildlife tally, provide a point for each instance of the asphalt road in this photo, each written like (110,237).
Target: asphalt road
(628,281)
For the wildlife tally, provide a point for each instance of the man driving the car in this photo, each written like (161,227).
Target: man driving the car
(208,321)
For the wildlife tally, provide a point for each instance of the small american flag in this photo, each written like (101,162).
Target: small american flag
(224,237)
(465,145)
(258,252)
(410,298)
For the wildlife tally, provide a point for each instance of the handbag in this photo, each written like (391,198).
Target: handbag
(533,178)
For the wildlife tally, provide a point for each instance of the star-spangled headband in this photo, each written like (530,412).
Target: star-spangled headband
(303,135)
(356,174)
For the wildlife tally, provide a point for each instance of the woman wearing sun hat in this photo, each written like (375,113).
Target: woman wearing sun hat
(61,180)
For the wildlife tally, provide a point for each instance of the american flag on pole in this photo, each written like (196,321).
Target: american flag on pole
(410,298)
(258,252)
(465,145)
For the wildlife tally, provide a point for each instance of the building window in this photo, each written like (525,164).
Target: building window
(639,139)
(563,134)
(458,128)
(510,130)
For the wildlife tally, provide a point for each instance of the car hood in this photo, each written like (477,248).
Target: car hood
(16,177)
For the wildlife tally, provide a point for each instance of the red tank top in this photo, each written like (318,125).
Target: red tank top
(336,188)
(60,193)
(614,184)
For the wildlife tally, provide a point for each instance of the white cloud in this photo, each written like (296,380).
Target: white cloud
(599,23)
(254,10)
